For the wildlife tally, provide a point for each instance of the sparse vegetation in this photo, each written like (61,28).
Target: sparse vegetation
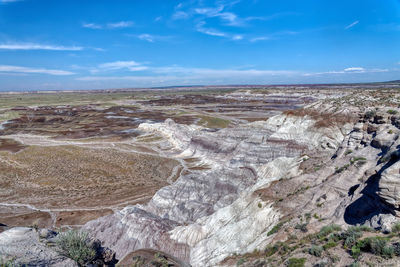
(316,251)
(302,227)
(328,229)
(213,122)
(392,112)
(77,246)
(7,263)
(396,228)
(296,262)
(370,114)
(276,228)
(160,260)
(240,261)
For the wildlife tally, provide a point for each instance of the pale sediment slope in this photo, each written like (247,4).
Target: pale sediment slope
(206,216)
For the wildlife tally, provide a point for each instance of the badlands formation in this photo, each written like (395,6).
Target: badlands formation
(273,176)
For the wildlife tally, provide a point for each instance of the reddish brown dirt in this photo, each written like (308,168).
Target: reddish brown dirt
(76,122)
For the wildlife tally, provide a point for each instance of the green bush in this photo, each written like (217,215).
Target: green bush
(329,244)
(271,250)
(328,229)
(377,245)
(277,227)
(392,112)
(355,264)
(296,262)
(352,234)
(316,251)
(239,262)
(396,248)
(76,245)
(396,228)
(7,263)
(302,227)
(355,252)
(369,114)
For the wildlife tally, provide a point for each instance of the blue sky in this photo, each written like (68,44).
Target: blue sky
(97,44)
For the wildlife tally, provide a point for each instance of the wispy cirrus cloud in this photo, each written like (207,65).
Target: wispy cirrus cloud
(119,65)
(151,38)
(19,69)
(35,46)
(9,1)
(200,27)
(160,76)
(352,25)
(111,25)
(350,70)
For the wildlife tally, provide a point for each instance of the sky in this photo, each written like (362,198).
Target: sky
(104,44)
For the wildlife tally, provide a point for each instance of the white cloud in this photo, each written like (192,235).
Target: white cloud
(146,37)
(9,1)
(119,65)
(33,46)
(221,72)
(174,75)
(120,24)
(230,18)
(151,38)
(354,69)
(180,15)
(18,69)
(261,38)
(209,31)
(111,25)
(350,70)
(351,25)
(237,37)
(92,26)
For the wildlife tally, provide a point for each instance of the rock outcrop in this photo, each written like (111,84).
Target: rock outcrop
(23,247)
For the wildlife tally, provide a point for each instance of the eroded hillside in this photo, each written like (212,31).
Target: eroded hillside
(238,176)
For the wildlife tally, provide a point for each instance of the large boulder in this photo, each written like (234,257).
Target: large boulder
(389,185)
(384,139)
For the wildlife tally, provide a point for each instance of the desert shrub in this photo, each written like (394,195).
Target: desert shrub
(377,245)
(328,229)
(7,263)
(355,264)
(396,249)
(355,252)
(392,112)
(76,245)
(239,262)
(348,152)
(296,262)
(329,244)
(271,250)
(276,228)
(351,236)
(316,251)
(160,260)
(302,227)
(396,228)
(138,261)
(369,114)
